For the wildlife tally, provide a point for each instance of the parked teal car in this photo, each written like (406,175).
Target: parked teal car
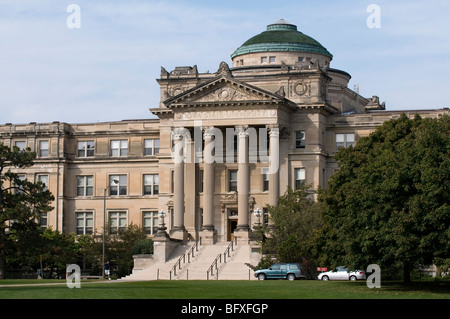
(289,271)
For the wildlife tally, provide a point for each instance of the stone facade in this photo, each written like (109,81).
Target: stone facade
(224,144)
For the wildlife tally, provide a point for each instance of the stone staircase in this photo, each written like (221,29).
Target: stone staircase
(158,270)
(231,267)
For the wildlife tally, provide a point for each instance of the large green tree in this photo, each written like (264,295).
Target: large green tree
(294,226)
(120,248)
(21,201)
(389,201)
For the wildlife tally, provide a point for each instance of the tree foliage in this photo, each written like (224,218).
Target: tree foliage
(21,202)
(296,221)
(119,251)
(389,201)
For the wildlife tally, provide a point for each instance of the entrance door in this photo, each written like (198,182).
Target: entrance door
(232,224)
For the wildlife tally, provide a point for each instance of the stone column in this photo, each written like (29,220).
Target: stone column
(208,231)
(178,231)
(243,184)
(274,164)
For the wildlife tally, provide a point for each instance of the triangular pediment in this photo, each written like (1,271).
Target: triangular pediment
(223,90)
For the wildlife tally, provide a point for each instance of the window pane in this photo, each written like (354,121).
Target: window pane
(20,145)
(43,148)
(156,146)
(340,138)
(44,180)
(148,179)
(90,148)
(148,147)
(299,173)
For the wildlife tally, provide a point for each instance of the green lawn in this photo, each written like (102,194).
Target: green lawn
(278,289)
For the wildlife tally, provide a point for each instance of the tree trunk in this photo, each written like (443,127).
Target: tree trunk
(2,265)
(406,273)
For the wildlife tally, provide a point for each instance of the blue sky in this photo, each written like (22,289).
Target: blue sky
(106,70)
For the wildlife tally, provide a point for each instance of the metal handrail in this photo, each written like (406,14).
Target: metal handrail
(219,257)
(183,257)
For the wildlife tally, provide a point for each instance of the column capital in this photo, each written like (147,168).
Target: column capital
(208,132)
(274,129)
(179,133)
(241,130)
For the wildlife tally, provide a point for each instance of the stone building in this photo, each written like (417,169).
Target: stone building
(223,145)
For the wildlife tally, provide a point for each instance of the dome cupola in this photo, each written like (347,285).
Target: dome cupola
(281,42)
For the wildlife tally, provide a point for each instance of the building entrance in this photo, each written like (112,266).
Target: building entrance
(232,224)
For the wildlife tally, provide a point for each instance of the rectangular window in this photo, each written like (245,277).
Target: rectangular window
(19,188)
(299,175)
(85,149)
(151,184)
(85,223)
(300,59)
(117,222)
(300,139)
(151,146)
(21,145)
(119,188)
(265,216)
(150,222)
(43,148)
(272,59)
(85,185)
(265,179)
(200,186)
(44,180)
(264,59)
(43,221)
(232,180)
(119,148)
(345,140)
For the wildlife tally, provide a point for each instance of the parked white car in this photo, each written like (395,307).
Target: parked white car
(342,273)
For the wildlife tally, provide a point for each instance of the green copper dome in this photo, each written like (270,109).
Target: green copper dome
(281,36)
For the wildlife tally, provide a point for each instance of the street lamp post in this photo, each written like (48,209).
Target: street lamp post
(113,182)
(257,213)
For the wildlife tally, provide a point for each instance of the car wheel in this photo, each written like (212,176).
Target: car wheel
(353,278)
(291,277)
(261,277)
(325,278)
